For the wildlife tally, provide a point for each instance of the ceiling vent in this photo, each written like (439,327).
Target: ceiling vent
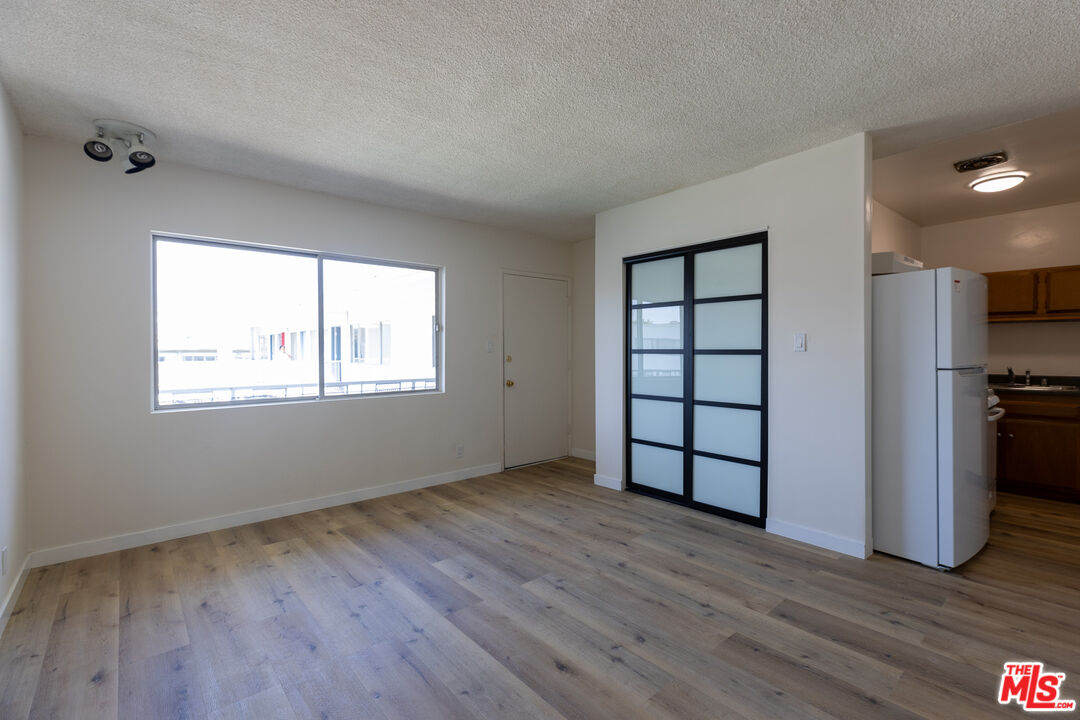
(982,162)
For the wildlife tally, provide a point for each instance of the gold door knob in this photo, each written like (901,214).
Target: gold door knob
(509,383)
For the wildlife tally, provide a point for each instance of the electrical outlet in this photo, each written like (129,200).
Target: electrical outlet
(460,450)
(800,342)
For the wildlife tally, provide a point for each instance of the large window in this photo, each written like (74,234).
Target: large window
(242,324)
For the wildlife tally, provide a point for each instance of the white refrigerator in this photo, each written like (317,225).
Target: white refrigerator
(931,500)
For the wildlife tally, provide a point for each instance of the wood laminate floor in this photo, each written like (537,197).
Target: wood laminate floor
(535,594)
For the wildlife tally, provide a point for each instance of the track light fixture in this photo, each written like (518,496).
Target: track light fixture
(114,137)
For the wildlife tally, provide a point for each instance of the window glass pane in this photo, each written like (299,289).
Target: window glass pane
(656,281)
(728,485)
(734,271)
(655,467)
(656,328)
(728,378)
(728,325)
(727,431)
(229,322)
(656,375)
(379,324)
(657,420)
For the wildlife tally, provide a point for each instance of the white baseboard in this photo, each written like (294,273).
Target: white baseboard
(819,538)
(63,553)
(608,482)
(13,594)
(583,454)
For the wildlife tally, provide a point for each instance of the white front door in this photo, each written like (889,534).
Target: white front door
(536,369)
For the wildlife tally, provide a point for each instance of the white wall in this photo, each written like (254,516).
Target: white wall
(583,437)
(99,463)
(12,506)
(1042,348)
(1043,237)
(816,207)
(892,231)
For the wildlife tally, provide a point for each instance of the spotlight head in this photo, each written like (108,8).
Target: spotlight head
(98,149)
(139,158)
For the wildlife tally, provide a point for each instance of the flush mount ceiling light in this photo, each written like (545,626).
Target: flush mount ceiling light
(126,139)
(999,182)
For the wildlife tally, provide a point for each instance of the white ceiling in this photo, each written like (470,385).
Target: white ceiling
(535,114)
(922,185)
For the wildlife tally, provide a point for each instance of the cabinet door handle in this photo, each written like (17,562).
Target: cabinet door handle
(1010,434)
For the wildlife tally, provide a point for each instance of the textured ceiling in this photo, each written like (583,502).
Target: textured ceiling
(922,185)
(535,114)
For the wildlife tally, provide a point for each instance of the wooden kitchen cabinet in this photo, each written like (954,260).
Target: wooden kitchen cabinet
(1013,293)
(1038,446)
(1062,290)
(1038,295)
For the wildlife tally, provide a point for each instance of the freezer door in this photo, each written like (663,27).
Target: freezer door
(963,503)
(961,319)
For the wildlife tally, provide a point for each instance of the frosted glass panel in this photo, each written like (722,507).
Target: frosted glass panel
(656,375)
(734,271)
(727,431)
(728,485)
(728,378)
(728,325)
(656,328)
(656,420)
(656,281)
(656,467)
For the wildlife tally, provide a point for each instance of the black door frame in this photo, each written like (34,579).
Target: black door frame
(688,253)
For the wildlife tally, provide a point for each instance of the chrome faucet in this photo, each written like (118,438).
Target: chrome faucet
(1012,376)
(1027,379)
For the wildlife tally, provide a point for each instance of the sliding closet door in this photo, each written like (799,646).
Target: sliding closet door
(656,378)
(696,376)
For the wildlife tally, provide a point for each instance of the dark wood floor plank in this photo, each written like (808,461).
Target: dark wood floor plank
(578,642)
(328,597)
(151,617)
(26,638)
(79,674)
(483,685)
(271,704)
(402,687)
(907,657)
(730,688)
(409,564)
(806,682)
(575,690)
(161,686)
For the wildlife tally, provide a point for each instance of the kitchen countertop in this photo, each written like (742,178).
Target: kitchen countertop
(999,383)
(1033,390)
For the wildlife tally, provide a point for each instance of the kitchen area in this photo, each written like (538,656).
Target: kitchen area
(1038,438)
(1005,203)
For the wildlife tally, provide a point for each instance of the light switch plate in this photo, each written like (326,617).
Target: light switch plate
(800,342)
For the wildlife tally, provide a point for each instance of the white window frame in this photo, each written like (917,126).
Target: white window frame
(319,257)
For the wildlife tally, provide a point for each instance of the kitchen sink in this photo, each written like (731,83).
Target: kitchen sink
(1035,388)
